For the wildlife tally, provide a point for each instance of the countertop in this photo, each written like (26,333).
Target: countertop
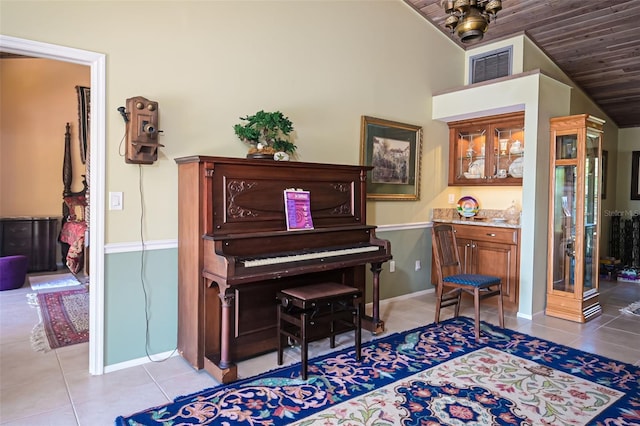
(484,218)
(478,222)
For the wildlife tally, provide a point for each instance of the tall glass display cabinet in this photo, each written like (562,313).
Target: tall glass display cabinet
(574,213)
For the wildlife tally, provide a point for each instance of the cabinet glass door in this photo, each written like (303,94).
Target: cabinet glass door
(508,151)
(564,225)
(470,151)
(591,208)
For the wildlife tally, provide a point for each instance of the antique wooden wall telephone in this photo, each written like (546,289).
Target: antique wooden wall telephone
(141,119)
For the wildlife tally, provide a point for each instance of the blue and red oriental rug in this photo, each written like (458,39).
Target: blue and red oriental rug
(432,375)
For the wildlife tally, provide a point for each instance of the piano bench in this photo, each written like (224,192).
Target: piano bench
(315,312)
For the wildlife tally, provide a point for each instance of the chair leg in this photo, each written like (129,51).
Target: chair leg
(458,303)
(500,310)
(438,302)
(476,303)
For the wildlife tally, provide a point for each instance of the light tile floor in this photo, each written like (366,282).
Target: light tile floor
(55,388)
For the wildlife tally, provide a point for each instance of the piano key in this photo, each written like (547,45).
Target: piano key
(308,256)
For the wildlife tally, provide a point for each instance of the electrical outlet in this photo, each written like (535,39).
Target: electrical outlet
(451,199)
(418,265)
(392,266)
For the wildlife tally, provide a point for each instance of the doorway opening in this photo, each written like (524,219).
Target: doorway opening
(96,160)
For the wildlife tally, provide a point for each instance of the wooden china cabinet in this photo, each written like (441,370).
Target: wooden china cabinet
(487,150)
(574,213)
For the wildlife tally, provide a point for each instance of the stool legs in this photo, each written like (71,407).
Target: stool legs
(303,320)
(304,346)
(281,336)
(358,332)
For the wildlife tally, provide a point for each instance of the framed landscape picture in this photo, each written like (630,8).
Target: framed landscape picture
(393,150)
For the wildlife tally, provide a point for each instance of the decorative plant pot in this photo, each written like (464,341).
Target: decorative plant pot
(281,156)
(260,156)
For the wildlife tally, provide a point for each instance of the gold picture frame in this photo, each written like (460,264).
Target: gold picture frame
(393,149)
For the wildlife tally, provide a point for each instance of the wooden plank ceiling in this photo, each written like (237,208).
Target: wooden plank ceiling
(595,42)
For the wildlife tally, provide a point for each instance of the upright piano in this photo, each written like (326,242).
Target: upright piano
(235,252)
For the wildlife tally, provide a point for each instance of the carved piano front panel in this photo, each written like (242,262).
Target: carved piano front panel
(250,197)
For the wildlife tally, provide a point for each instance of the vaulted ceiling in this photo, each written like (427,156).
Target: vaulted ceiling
(595,42)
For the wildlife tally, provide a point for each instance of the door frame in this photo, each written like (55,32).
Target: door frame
(96,61)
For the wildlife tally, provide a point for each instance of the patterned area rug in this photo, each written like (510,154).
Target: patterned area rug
(64,319)
(428,376)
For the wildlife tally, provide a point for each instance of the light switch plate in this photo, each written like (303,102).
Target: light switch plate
(115,200)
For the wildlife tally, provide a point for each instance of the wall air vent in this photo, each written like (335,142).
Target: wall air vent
(490,65)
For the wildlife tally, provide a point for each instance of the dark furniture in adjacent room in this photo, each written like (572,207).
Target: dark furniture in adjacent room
(74,236)
(33,237)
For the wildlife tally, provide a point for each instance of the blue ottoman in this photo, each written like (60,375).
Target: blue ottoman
(13,272)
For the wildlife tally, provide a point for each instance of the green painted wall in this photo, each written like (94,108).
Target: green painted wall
(407,246)
(126,282)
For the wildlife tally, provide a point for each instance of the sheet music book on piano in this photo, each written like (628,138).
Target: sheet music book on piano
(297,205)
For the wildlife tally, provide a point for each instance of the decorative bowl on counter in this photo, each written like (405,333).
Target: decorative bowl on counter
(468,206)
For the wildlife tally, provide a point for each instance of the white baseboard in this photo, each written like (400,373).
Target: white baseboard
(140,361)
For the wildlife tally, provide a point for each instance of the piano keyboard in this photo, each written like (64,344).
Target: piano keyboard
(308,256)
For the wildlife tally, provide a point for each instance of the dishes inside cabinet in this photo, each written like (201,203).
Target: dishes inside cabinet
(516,147)
(468,175)
(477,168)
(468,206)
(516,168)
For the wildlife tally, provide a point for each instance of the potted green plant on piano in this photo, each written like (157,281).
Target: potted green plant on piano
(268,135)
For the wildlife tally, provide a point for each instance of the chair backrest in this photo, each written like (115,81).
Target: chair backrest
(445,251)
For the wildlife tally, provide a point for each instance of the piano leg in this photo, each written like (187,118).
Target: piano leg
(374,324)
(225,330)
(220,365)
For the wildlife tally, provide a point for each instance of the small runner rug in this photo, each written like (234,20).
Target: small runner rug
(433,375)
(64,319)
(632,309)
(52,281)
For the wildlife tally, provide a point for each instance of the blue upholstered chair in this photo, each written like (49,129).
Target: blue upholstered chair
(452,282)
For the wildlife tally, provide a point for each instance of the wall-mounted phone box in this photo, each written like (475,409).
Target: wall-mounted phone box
(142,131)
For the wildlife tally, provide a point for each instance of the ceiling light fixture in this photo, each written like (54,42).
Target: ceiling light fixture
(470,18)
